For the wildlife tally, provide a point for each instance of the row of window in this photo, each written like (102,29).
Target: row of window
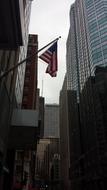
(101,19)
(93,26)
(103,30)
(90,4)
(98,54)
(96,34)
(98,41)
(99,10)
(98,5)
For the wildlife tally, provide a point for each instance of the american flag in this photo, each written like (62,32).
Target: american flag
(50,57)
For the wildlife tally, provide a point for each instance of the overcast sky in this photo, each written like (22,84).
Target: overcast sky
(50,19)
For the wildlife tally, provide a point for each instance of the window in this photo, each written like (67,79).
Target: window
(89,3)
(27,79)
(97,55)
(103,31)
(104,47)
(26,88)
(97,50)
(91,16)
(104,38)
(101,10)
(102,21)
(93,36)
(92,26)
(99,5)
(95,43)
(105,51)
(91,10)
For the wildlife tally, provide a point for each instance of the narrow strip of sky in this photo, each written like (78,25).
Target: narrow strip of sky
(50,19)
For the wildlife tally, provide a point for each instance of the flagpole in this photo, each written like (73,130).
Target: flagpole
(42,89)
(4,74)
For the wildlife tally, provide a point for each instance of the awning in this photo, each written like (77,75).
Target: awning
(24,129)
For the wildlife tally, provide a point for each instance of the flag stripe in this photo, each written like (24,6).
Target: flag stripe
(46,54)
(54,64)
(45,59)
(50,57)
(49,71)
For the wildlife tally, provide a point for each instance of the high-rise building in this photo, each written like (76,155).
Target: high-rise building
(72,69)
(51,121)
(64,137)
(48,161)
(28,102)
(86,50)
(12,30)
(14,19)
(23,53)
(48,147)
(31,72)
(87,39)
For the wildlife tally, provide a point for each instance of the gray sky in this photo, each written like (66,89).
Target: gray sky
(50,19)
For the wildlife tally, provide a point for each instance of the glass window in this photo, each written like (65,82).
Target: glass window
(96,50)
(104,47)
(93,36)
(97,60)
(89,3)
(102,21)
(101,10)
(91,16)
(104,38)
(95,43)
(104,2)
(99,5)
(92,29)
(97,55)
(105,52)
(91,10)
(103,30)
(97,1)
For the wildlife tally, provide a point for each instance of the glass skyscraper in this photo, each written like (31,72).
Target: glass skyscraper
(71,57)
(86,76)
(87,40)
(96,18)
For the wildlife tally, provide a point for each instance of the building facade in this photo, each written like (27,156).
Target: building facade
(23,53)
(11,39)
(8,59)
(64,138)
(31,74)
(88,36)
(71,55)
(51,121)
(24,168)
(47,148)
(86,51)
(48,163)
